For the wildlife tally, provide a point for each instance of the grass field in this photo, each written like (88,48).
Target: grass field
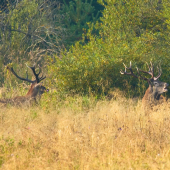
(85,134)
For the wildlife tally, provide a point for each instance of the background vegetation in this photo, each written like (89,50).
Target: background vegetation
(81,46)
(127,31)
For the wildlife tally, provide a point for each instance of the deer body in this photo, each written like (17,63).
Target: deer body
(35,91)
(152,95)
(19,100)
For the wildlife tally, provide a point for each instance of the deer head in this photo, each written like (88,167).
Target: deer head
(36,87)
(156,87)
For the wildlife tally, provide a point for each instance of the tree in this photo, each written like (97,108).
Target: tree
(31,26)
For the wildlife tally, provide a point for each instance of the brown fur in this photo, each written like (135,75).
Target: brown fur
(153,95)
(35,92)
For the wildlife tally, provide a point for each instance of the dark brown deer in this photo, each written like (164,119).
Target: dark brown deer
(35,91)
(156,87)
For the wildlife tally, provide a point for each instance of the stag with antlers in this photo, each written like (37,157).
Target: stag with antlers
(156,87)
(35,91)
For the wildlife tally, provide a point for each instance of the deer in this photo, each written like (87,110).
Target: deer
(34,92)
(156,88)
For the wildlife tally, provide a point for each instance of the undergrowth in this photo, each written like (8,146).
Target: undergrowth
(79,132)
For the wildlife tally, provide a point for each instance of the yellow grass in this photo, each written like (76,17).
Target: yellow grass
(112,135)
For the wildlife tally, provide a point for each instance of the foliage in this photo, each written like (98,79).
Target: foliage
(94,68)
(30,30)
(30,26)
(78,14)
(127,31)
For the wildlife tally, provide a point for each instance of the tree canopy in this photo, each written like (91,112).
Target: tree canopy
(85,42)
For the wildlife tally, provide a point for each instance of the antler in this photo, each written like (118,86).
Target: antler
(37,80)
(36,75)
(159,74)
(151,72)
(129,68)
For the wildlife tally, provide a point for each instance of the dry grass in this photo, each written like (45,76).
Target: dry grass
(110,135)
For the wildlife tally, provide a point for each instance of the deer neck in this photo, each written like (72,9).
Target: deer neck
(32,92)
(151,94)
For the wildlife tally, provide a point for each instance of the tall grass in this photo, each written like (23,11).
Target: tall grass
(82,133)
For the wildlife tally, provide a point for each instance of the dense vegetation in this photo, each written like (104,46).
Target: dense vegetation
(82,44)
(81,133)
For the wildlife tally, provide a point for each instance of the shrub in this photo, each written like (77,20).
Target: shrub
(94,68)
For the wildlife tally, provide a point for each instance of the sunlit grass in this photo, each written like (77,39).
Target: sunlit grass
(82,133)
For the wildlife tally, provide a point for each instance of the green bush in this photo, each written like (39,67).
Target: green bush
(94,68)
